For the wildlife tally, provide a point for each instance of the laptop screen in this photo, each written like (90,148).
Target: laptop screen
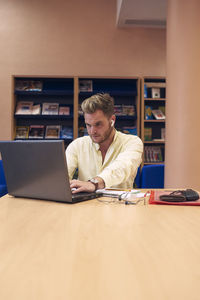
(38,169)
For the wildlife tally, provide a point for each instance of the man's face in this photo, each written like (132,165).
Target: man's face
(98,126)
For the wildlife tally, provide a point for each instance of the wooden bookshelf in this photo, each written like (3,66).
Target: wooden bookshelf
(156,128)
(66,92)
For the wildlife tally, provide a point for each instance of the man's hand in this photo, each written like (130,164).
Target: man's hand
(81,186)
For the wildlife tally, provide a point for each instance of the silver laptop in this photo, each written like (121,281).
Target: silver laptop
(38,169)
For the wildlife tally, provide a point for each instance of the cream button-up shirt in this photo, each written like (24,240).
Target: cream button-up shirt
(120,164)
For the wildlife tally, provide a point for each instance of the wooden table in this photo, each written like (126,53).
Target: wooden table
(98,251)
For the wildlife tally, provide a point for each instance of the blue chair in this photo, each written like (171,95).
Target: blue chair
(3,185)
(137,181)
(152,176)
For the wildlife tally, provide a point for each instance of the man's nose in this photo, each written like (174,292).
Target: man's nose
(92,129)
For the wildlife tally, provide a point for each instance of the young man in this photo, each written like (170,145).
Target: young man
(107,157)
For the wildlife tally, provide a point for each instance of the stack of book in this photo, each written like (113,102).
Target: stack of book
(124,110)
(147,134)
(153,154)
(47,108)
(44,132)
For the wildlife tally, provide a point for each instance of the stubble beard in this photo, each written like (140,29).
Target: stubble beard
(103,137)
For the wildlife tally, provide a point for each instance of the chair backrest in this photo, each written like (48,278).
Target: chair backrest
(137,181)
(152,176)
(2,176)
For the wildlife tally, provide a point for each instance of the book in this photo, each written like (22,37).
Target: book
(128,110)
(129,130)
(155,92)
(148,112)
(153,154)
(36,132)
(118,110)
(52,132)
(85,86)
(28,85)
(27,108)
(158,114)
(132,194)
(124,110)
(147,134)
(24,108)
(163,133)
(36,109)
(159,140)
(64,110)
(162,108)
(50,108)
(21,132)
(145,91)
(66,132)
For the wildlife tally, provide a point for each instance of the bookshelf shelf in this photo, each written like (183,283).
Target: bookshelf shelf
(112,93)
(45,93)
(154,121)
(118,117)
(42,139)
(154,142)
(44,117)
(157,99)
(153,163)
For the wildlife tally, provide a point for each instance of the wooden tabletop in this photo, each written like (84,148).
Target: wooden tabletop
(98,251)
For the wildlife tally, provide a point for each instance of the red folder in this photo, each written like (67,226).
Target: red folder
(154,199)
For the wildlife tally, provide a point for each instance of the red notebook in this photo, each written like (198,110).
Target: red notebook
(154,199)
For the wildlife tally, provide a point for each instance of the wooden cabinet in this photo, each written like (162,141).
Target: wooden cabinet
(59,100)
(153,99)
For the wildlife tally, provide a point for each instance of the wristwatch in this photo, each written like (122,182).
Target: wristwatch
(95,182)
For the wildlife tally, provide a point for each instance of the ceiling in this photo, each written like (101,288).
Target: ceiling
(141,13)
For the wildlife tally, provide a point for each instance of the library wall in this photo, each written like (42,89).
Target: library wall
(183,105)
(69,38)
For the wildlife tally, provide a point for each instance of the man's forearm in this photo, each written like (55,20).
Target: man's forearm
(101,183)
